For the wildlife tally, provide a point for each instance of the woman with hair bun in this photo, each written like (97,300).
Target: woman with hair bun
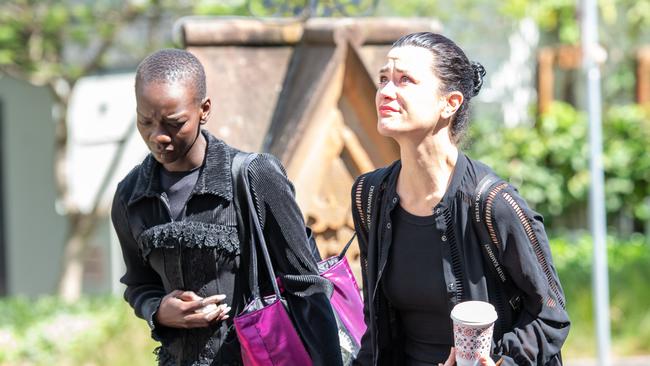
(437,228)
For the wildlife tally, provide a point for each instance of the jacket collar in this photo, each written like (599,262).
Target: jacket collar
(457,176)
(214,175)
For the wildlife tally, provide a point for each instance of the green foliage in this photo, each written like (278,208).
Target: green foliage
(94,331)
(549,162)
(629,294)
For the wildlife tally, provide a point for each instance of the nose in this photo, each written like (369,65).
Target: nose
(387,90)
(160,135)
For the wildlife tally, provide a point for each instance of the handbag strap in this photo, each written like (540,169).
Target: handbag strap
(345,248)
(241,161)
(239,206)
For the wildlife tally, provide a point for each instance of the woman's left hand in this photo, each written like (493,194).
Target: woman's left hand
(486,361)
(451,360)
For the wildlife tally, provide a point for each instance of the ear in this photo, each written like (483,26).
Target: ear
(453,101)
(206,105)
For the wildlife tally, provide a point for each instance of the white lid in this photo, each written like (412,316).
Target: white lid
(474,313)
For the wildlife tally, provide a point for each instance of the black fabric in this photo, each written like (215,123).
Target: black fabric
(177,187)
(201,252)
(420,302)
(532,336)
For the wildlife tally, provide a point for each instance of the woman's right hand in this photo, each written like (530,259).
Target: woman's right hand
(185,309)
(451,360)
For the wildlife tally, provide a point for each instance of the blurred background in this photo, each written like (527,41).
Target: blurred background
(297,79)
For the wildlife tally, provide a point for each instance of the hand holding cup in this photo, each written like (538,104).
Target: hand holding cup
(473,327)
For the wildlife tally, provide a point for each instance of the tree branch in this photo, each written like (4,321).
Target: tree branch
(94,62)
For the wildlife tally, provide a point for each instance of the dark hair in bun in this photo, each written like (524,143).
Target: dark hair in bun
(451,66)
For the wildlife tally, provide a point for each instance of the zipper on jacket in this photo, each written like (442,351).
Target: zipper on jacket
(358,199)
(455,256)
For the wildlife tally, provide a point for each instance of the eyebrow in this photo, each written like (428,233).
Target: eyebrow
(386,68)
(175,115)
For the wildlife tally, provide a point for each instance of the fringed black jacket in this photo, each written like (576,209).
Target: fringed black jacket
(201,253)
(531,333)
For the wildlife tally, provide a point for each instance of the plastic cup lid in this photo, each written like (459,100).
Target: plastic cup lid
(474,313)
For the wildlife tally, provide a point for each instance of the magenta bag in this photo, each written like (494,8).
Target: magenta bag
(267,337)
(346,302)
(266,334)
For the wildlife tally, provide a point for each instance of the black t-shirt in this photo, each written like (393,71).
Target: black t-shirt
(178,187)
(414,284)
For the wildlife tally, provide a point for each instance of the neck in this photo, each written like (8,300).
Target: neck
(427,168)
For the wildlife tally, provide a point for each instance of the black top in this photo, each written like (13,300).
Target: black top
(178,187)
(417,294)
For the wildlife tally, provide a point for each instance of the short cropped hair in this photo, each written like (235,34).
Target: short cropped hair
(172,65)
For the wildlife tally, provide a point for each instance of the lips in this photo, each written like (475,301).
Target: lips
(387,108)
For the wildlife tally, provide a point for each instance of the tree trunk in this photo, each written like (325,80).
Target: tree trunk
(81,226)
(80,229)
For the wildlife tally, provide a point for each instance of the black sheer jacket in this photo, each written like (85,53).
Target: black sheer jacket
(201,252)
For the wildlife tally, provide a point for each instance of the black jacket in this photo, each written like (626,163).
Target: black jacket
(201,253)
(531,335)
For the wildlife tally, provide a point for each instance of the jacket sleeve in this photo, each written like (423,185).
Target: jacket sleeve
(288,244)
(144,289)
(543,323)
(365,353)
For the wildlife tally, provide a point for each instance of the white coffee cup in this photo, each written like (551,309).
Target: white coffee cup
(473,326)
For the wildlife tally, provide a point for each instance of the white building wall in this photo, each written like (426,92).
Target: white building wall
(101,113)
(33,230)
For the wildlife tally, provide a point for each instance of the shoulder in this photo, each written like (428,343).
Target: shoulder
(265,164)
(475,171)
(375,177)
(501,199)
(127,185)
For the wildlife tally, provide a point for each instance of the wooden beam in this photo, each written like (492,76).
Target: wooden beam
(238,32)
(355,150)
(643,76)
(545,60)
(360,89)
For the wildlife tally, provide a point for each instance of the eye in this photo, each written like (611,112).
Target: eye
(175,124)
(144,122)
(382,79)
(405,79)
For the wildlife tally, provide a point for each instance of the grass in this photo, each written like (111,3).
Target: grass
(629,273)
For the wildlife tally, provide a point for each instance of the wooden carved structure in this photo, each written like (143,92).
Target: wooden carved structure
(304,92)
(570,58)
(548,58)
(643,77)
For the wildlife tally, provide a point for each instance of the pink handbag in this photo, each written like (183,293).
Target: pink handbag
(266,334)
(346,302)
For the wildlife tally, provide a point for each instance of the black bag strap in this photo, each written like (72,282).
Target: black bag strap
(489,186)
(243,198)
(345,248)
